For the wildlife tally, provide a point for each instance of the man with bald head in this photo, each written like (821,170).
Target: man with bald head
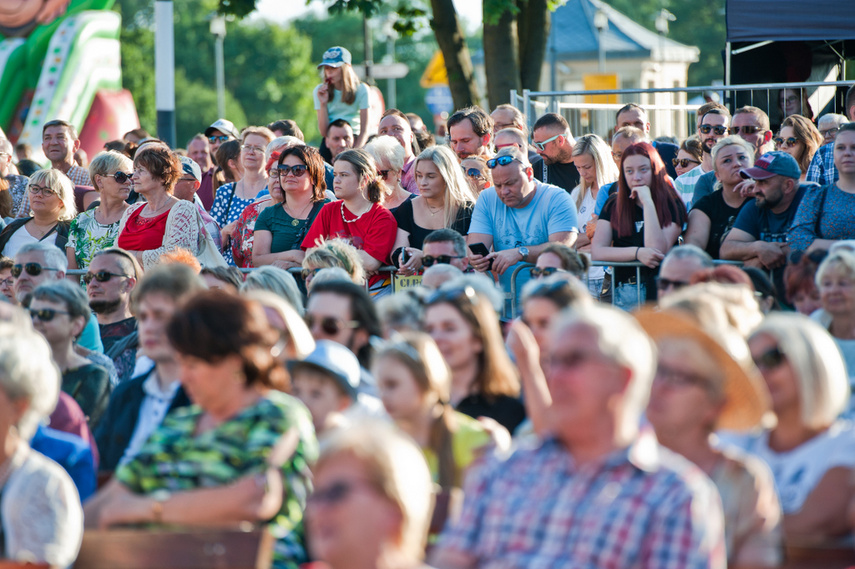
(517,217)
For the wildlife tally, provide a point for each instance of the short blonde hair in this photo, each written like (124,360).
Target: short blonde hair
(817,365)
(336,253)
(108,163)
(840,258)
(57,181)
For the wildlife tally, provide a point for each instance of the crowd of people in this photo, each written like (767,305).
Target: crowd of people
(509,349)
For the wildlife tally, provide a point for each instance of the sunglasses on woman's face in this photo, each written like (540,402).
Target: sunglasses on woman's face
(45,314)
(101,276)
(297,170)
(474,173)
(32,269)
(430,260)
(122,177)
(330,325)
(770,359)
(683,162)
(785,142)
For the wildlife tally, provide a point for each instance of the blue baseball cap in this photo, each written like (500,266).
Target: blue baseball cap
(775,163)
(335,57)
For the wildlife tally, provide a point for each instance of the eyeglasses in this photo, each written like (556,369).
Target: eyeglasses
(770,359)
(683,162)
(746,130)
(7,281)
(430,260)
(664,284)
(46,314)
(672,377)
(221,138)
(330,325)
(43,190)
(453,294)
(335,493)
(541,145)
(718,130)
(33,269)
(297,170)
(537,272)
(383,173)
(829,131)
(253,149)
(121,177)
(101,276)
(500,161)
(785,143)
(617,155)
(191,180)
(473,173)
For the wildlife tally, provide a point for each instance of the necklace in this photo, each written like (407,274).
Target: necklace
(431,210)
(295,219)
(344,219)
(161,208)
(42,230)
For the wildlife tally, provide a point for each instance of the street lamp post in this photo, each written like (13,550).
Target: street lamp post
(601,22)
(164,71)
(218,29)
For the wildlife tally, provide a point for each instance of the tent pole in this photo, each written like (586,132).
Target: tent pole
(727,70)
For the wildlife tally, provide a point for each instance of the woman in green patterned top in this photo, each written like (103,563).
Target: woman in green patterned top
(241,452)
(97,229)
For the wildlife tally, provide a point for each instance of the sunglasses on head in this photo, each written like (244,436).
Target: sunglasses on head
(500,161)
(330,325)
(101,276)
(746,130)
(785,142)
(46,314)
(221,138)
(430,260)
(122,177)
(683,162)
(297,170)
(718,130)
(537,272)
(33,269)
(453,294)
(770,359)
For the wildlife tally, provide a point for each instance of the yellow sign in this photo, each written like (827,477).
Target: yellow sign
(600,82)
(435,74)
(399,282)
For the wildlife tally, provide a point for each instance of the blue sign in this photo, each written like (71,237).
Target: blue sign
(438,100)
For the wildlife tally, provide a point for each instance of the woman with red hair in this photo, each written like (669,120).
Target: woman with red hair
(639,223)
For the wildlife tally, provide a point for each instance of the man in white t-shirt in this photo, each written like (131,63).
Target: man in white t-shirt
(517,217)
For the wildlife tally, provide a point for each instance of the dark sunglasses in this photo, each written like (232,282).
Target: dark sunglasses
(770,359)
(33,269)
(746,130)
(297,170)
(329,324)
(663,284)
(718,130)
(101,276)
(537,272)
(430,260)
(122,177)
(683,162)
(46,314)
(500,161)
(474,173)
(785,142)
(453,294)
(221,138)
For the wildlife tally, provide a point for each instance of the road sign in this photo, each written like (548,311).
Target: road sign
(383,70)
(438,100)
(435,73)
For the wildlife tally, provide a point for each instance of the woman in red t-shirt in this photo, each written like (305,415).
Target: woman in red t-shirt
(162,222)
(358,216)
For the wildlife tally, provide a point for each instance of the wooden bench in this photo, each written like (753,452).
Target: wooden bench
(246,547)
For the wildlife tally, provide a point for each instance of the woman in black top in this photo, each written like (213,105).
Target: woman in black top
(445,200)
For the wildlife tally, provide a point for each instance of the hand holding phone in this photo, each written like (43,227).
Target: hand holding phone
(481,250)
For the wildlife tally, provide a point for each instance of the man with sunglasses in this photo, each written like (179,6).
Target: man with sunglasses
(679,266)
(712,127)
(445,246)
(518,216)
(553,141)
(59,143)
(221,131)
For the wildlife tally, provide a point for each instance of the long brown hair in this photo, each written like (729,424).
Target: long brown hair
(314,167)
(661,190)
(808,134)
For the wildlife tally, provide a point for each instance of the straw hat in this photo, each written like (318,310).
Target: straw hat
(746,396)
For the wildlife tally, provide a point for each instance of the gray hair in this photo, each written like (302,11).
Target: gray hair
(388,148)
(689,251)
(108,163)
(27,372)
(281,142)
(442,271)
(401,311)
(65,293)
(830,118)
(6,146)
(275,280)
(330,274)
(842,258)
(52,254)
(483,285)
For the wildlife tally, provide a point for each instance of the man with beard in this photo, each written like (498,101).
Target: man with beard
(113,274)
(553,141)
(711,128)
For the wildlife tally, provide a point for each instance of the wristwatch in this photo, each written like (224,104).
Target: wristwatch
(524,252)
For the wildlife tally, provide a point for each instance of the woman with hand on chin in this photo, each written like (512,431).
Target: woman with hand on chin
(162,222)
(639,223)
(359,216)
(342,96)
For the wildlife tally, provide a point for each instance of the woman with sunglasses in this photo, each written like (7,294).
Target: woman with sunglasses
(97,229)
(810,451)
(477,174)
(800,139)
(358,216)
(466,329)
(445,200)
(592,158)
(52,207)
(390,156)
(559,258)
(825,215)
(60,312)
(240,453)
(712,217)
(689,156)
(162,223)
(298,198)
(231,199)
(639,223)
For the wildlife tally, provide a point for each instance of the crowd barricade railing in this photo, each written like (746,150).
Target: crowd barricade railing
(672,110)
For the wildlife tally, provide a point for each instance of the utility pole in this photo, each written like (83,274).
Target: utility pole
(164,71)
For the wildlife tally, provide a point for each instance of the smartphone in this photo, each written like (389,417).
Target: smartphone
(405,256)
(481,249)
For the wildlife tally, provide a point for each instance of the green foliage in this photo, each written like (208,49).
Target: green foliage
(239,8)
(193,101)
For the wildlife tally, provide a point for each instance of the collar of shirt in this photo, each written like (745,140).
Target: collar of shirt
(151,387)
(643,453)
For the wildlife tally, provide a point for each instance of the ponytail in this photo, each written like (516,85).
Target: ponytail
(441,443)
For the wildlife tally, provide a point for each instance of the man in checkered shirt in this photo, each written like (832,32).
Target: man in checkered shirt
(597,493)
(59,142)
